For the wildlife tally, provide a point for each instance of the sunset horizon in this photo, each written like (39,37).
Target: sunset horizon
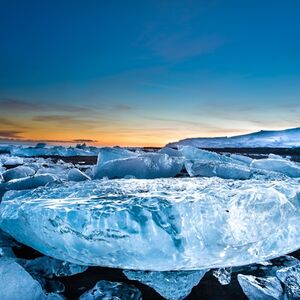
(121,74)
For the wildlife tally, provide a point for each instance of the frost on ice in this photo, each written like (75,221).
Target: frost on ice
(160,224)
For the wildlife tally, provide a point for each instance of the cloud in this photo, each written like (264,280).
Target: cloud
(10,134)
(18,105)
(84,141)
(6,122)
(55,118)
(182,46)
(122,107)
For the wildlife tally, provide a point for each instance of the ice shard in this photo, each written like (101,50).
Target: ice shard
(290,277)
(223,275)
(261,288)
(76,175)
(160,224)
(171,285)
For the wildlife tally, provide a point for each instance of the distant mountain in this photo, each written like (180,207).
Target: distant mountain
(288,138)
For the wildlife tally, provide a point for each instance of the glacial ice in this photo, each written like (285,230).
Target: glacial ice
(261,288)
(76,175)
(158,225)
(286,167)
(107,290)
(107,154)
(17,284)
(151,165)
(171,285)
(48,267)
(217,168)
(290,277)
(283,138)
(18,172)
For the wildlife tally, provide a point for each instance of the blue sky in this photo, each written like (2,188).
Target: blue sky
(147,72)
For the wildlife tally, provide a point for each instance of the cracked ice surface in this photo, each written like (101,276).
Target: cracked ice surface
(160,224)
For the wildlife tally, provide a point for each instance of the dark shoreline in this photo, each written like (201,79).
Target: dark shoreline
(208,288)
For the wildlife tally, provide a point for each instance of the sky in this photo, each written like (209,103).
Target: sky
(145,73)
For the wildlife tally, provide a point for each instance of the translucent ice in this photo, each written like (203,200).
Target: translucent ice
(171,285)
(245,159)
(170,151)
(17,284)
(286,167)
(151,165)
(77,175)
(48,267)
(158,225)
(217,168)
(107,154)
(261,288)
(107,290)
(18,172)
(193,153)
(30,182)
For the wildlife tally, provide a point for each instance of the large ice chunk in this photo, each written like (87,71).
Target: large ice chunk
(107,290)
(107,154)
(171,285)
(283,166)
(261,288)
(158,225)
(152,165)
(217,168)
(18,172)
